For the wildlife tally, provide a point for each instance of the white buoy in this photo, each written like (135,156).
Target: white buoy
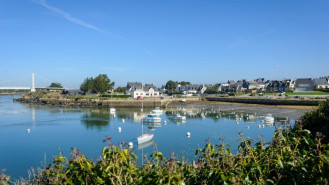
(165,122)
(188,134)
(130,144)
(259,126)
(123,120)
(119,129)
(28,130)
(217,117)
(263,126)
(247,127)
(237,122)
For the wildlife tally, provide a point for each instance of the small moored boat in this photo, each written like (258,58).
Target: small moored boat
(269,118)
(152,118)
(144,138)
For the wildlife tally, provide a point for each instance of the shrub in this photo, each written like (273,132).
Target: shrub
(316,121)
(115,96)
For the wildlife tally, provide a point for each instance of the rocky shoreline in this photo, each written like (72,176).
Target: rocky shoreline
(293,112)
(90,102)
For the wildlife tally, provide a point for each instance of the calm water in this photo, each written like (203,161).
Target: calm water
(54,129)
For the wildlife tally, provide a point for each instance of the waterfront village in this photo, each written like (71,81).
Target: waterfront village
(259,86)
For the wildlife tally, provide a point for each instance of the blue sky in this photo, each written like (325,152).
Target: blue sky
(155,41)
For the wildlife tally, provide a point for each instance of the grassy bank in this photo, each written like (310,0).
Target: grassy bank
(294,156)
(307,93)
(96,97)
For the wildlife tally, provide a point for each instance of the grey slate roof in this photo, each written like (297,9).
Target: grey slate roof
(147,87)
(230,82)
(320,81)
(303,82)
(193,87)
(134,85)
(260,80)
(252,82)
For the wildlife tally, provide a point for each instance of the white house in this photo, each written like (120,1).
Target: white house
(150,91)
(136,89)
(137,92)
(320,83)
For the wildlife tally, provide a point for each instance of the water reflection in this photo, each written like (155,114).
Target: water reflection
(96,119)
(86,128)
(145,145)
(217,115)
(152,125)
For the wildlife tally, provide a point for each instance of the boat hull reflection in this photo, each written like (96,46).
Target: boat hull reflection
(144,145)
(152,125)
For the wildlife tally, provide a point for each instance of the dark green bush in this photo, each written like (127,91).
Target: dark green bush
(316,121)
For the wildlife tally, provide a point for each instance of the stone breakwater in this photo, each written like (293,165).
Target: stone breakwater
(93,102)
(265,101)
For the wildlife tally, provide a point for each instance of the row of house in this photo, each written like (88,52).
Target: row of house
(190,89)
(299,85)
(136,89)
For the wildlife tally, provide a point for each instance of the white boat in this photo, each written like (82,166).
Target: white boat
(152,118)
(112,110)
(157,111)
(144,138)
(178,117)
(269,118)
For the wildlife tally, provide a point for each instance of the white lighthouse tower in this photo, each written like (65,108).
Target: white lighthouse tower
(32,88)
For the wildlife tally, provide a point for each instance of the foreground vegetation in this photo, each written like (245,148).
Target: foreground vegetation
(294,156)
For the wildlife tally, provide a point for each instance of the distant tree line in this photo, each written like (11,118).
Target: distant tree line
(56,84)
(120,89)
(98,85)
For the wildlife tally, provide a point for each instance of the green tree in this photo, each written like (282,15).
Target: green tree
(211,91)
(121,89)
(56,84)
(87,85)
(184,83)
(102,84)
(171,85)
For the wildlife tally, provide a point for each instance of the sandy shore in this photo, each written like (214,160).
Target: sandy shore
(293,112)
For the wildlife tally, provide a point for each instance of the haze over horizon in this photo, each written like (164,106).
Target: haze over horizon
(156,41)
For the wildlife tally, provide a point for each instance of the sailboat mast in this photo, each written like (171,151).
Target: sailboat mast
(142,106)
